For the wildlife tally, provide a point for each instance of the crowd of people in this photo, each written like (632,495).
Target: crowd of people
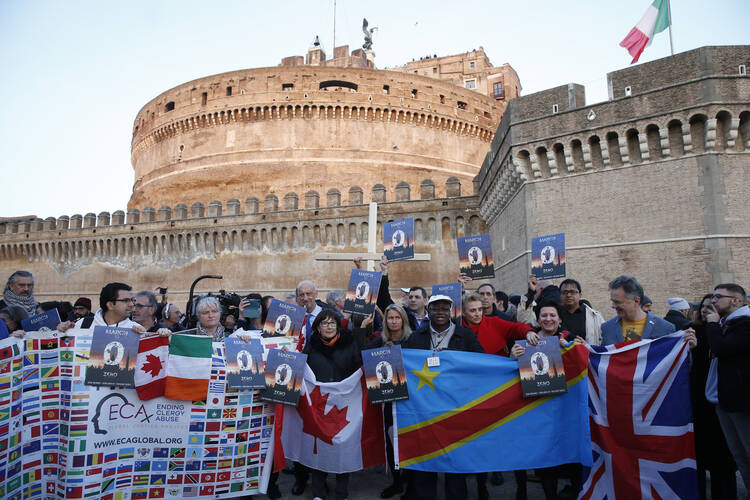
(716,328)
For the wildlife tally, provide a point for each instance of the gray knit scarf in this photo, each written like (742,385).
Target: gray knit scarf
(217,337)
(28,303)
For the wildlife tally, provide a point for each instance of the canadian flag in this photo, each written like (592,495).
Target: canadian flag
(151,367)
(334,428)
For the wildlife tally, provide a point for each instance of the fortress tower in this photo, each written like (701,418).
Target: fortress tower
(333,129)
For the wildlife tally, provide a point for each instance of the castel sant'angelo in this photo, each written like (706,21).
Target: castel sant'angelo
(251,174)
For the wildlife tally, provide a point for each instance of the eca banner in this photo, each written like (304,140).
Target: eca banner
(61,438)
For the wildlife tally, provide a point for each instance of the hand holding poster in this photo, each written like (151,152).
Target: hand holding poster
(398,239)
(452,290)
(548,256)
(475,257)
(541,368)
(284,373)
(41,322)
(113,357)
(244,363)
(283,319)
(362,293)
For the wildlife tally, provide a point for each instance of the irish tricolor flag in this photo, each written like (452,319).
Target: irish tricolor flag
(189,367)
(655,20)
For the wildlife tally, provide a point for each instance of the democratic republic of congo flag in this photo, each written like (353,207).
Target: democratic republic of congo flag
(467,415)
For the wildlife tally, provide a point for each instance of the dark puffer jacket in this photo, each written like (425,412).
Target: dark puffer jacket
(336,362)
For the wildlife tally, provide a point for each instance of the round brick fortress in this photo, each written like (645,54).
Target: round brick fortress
(303,133)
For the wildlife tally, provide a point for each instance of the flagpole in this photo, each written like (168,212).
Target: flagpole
(669,18)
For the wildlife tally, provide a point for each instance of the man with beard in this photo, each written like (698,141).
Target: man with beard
(728,331)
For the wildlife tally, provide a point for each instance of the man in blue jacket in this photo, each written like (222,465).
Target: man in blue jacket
(631,322)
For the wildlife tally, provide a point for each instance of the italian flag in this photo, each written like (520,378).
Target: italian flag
(189,367)
(151,367)
(655,20)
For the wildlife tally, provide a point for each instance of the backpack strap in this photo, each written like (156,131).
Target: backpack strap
(87,322)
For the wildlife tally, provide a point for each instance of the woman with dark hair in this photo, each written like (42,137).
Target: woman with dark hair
(711,451)
(332,355)
(549,317)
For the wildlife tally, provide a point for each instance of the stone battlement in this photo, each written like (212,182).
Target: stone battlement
(652,183)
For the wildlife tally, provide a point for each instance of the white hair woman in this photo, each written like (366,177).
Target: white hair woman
(208,311)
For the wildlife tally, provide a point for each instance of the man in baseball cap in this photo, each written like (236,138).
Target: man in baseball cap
(438,335)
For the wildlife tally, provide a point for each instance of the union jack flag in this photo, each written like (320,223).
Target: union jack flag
(641,421)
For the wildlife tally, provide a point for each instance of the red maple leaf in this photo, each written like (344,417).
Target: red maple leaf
(317,422)
(152,364)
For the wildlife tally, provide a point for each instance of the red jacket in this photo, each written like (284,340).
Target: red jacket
(495,333)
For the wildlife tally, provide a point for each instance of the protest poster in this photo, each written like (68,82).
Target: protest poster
(541,368)
(283,319)
(362,293)
(452,290)
(70,440)
(548,256)
(398,239)
(385,377)
(244,361)
(40,322)
(475,257)
(112,359)
(284,373)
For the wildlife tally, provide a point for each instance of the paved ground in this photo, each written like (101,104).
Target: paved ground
(366,485)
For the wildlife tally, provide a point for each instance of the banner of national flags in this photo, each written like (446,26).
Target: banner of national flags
(61,438)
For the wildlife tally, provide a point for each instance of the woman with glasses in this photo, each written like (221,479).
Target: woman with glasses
(332,355)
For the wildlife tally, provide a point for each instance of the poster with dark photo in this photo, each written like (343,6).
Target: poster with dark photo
(541,368)
(452,290)
(244,363)
(548,256)
(475,257)
(283,319)
(398,239)
(112,358)
(362,293)
(385,375)
(284,373)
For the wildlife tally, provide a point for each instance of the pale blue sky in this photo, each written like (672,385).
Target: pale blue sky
(75,73)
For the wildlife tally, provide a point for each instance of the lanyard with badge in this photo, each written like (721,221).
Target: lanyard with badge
(434,360)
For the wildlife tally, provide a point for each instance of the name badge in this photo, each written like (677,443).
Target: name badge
(433,361)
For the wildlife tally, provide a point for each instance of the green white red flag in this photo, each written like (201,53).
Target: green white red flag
(655,20)
(189,367)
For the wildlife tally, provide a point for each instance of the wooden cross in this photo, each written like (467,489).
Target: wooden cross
(371,256)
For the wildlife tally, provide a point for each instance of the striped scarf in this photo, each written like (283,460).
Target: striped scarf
(27,303)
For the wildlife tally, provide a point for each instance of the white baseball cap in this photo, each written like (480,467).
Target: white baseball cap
(437,298)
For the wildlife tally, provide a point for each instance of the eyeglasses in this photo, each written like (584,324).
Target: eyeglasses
(141,306)
(718,296)
(328,323)
(569,292)
(132,301)
(440,309)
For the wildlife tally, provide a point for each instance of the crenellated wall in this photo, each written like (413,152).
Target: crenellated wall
(652,184)
(258,246)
